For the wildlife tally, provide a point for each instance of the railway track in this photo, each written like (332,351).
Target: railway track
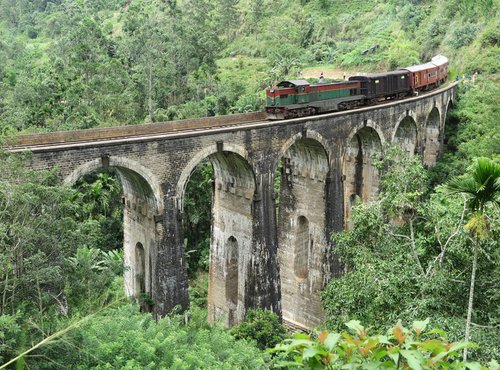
(154,131)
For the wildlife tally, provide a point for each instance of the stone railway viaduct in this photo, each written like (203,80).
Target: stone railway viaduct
(256,259)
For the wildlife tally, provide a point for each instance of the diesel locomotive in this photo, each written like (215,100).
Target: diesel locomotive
(299,98)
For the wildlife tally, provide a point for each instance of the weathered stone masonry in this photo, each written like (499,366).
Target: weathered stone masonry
(257,259)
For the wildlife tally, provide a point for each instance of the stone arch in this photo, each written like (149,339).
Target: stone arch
(197,158)
(433,137)
(302,241)
(361,177)
(142,202)
(306,134)
(406,134)
(369,124)
(121,164)
(232,228)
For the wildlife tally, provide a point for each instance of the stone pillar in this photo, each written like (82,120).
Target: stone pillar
(262,288)
(139,246)
(303,244)
(334,215)
(231,245)
(171,284)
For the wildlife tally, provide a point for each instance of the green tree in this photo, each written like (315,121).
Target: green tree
(392,272)
(47,272)
(100,209)
(481,187)
(198,216)
(96,88)
(257,10)
(38,230)
(228,17)
(146,49)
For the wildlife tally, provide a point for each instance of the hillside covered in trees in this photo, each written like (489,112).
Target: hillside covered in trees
(73,64)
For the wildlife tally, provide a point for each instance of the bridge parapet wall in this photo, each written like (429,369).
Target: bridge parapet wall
(107,133)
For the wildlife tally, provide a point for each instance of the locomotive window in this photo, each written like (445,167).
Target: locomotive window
(284,96)
(302,89)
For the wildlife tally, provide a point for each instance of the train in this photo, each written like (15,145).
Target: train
(299,98)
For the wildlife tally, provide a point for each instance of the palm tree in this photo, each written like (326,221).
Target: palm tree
(481,187)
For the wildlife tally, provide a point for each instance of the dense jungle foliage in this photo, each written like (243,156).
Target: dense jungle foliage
(73,64)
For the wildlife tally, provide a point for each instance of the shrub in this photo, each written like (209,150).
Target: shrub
(123,338)
(400,348)
(263,326)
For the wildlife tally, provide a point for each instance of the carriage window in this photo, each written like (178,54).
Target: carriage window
(402,77)
(284,96)
(377,81)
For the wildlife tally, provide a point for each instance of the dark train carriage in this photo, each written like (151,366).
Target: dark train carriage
(377,86)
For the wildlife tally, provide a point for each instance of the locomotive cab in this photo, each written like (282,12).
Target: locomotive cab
(285,93)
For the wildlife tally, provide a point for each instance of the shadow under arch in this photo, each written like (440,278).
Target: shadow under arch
(432,141)
(405,134)
(303,247)
(449,106)
(361,177)
(142,201)
(232,229)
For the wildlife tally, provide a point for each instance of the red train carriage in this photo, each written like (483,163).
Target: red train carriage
(423,76)
(442,63)
(428,75)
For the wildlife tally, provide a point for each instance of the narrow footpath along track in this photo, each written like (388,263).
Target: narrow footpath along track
(155,131)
